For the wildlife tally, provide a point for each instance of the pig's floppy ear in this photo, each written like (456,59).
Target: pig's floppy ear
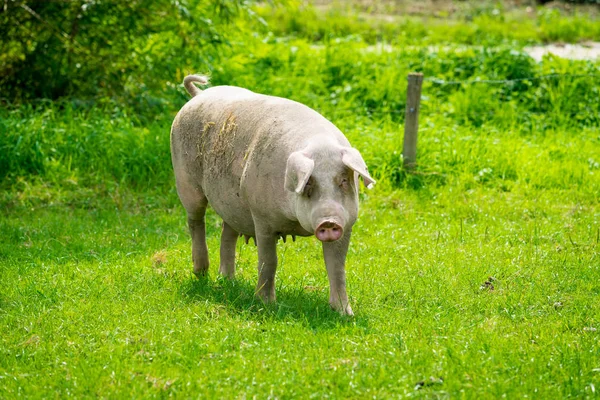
(298,170)
(353,160)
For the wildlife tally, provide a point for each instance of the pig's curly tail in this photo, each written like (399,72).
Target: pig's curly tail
(188,83)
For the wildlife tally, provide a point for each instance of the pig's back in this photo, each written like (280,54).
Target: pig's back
(237,143)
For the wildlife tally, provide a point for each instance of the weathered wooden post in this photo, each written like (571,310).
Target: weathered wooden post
(411,123)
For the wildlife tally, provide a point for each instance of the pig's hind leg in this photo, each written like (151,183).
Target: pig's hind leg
(195,202)
(199,248)
(228,241)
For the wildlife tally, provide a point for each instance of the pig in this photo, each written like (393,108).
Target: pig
(270,167)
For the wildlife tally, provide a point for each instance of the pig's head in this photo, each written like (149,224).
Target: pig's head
(324,180)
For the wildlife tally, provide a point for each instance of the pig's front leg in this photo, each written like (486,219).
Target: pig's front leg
(267,266)
(334,254)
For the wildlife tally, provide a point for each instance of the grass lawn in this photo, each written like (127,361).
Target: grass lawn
(476,276)
(103,302)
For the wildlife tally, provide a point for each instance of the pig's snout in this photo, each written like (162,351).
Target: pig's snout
(329,231)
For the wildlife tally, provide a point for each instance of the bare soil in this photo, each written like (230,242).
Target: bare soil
(582,51)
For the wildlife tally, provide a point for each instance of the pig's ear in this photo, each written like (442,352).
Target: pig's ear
(353,160)
(298,170)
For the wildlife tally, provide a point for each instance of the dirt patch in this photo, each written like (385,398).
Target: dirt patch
(583,51)
(387,9)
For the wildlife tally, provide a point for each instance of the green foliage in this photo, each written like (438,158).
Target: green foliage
(555,27)
(70,146)
(343,77)
(89,48)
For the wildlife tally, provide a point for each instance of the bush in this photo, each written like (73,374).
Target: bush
(88,48)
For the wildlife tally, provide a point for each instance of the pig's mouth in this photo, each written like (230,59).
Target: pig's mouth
(329,231)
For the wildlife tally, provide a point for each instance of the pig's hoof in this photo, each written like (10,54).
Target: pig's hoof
(227,274)
(266,298)
(200,271)
(201,274)
(343,310)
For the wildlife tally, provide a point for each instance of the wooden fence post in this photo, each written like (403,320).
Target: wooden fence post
(411,123)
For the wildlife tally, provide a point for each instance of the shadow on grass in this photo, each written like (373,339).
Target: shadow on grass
(311,308)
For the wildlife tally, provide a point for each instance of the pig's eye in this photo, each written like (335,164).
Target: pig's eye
(308,189)
(344,184)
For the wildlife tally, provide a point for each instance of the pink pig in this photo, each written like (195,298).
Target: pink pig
(270,167)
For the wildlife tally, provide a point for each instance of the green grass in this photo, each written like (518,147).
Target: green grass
(98,298)
(103,302)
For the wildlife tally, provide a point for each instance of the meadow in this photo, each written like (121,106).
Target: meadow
(475,275)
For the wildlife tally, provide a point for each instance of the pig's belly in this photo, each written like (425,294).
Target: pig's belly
(236,213)
(239,217)
(224,195)
(232,209)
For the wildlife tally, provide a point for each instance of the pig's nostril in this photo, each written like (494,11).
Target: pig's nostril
(329,231)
